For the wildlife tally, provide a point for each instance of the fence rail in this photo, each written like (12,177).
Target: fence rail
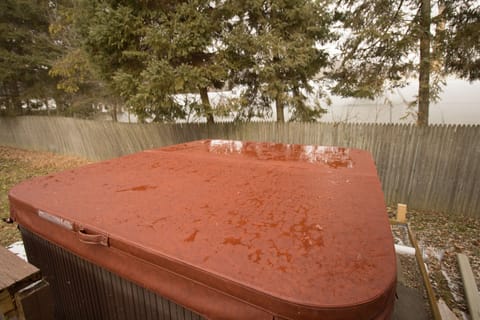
(434,168)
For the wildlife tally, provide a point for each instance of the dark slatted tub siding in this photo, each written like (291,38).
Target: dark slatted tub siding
(83,290)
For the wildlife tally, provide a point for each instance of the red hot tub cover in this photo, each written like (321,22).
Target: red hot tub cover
(229,229)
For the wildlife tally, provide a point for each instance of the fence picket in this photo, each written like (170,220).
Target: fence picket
(434,168)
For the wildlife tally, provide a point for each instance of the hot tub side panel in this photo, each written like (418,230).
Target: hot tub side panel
(167,282)
(83,290)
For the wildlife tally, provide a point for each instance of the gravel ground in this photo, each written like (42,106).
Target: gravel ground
(441,237)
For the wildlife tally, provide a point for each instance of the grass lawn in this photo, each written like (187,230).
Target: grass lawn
(17,165)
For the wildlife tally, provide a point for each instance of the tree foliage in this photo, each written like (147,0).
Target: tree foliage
(76,74)
(378,37)
(144,55)
(274,51)
(150,52)
(387,42)
(460,39)
(26,53)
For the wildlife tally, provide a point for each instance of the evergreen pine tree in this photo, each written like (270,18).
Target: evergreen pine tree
(274,51)
(26,53)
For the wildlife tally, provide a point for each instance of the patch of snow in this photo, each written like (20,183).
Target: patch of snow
(435,253)
(445,311)
(398,240)
(18,249)
(451,285)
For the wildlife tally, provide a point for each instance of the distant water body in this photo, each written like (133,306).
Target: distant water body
(459,104)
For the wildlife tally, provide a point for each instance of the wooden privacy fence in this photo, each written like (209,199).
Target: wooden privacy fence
(435,168)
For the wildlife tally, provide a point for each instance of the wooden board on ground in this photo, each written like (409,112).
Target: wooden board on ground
(35,302)
(471,291)
(23,294)
(14,270)
(445,311)
(401,212)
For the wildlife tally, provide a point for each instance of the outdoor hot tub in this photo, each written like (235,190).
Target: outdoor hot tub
(214,229)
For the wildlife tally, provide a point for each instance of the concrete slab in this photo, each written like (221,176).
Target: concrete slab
(409,305)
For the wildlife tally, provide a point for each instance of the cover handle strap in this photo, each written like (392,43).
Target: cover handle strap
(94,239)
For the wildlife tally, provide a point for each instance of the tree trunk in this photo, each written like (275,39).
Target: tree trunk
(438,45)
(47,106)
(16,102)
(29,106)
(114,112)
(424,72)
(58,106)
(279,107)
(206,105)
